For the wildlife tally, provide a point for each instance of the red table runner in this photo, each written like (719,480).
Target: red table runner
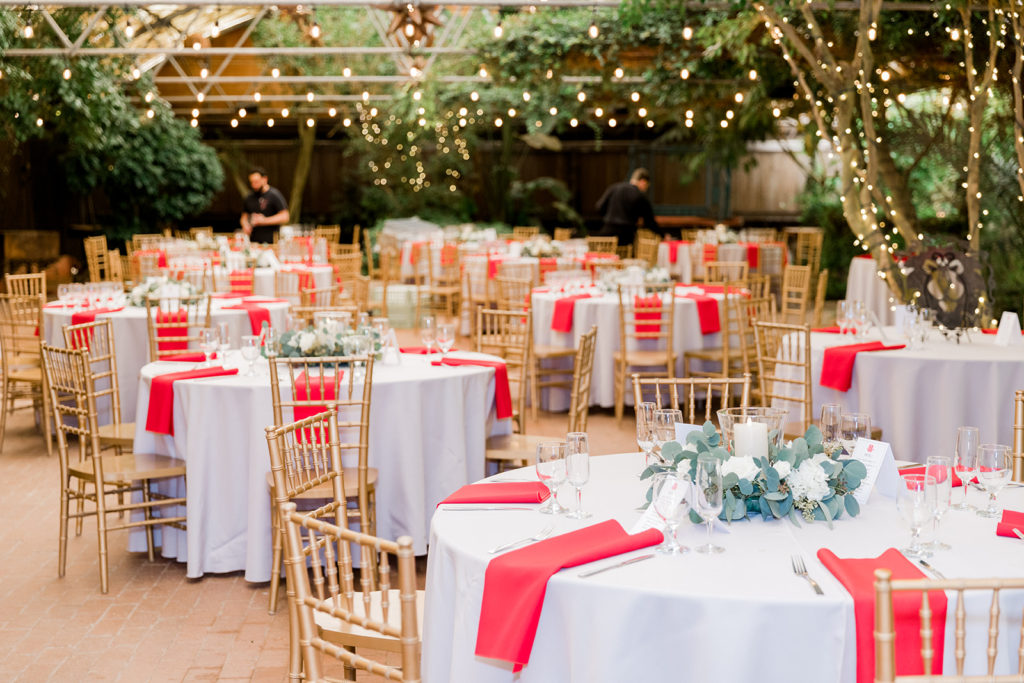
(160,416)
(837,364)
(502,393)
(500,492)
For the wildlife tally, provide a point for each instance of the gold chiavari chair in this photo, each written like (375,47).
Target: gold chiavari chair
(819,297)
(371,270)
(760,234)
(523,233)
(319,296)
(477,289)
(647,247)
(317,383)
(720,272)
(543,376)
(624,251)
(29,284)
(21,372)
(507,334)
(563,234)
(646,328)
(355,234)
(343,249)
(784,371)
(204,231)
(604,245)
(760,285)
(732,357)
(173,325)
(886,641)
(807,250)
(331,233)
(341,621)
(512,293)
(1018,436)
(689,393)
(796,293)
(97,339)
(308,314)
(94,477)
(390,272)
(142,241)
(442,291)
(240,281)
(97,258)
(522,271)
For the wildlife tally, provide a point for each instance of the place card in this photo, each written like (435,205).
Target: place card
(683,429)
(881,466)
(1008,333)
(671,496)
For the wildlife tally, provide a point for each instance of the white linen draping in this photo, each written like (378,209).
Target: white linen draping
(863,284)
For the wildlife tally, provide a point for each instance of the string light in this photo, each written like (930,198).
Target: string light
(200,96)
(67,74)
(526,96)
(687,33)
(635,96)
(593,31)
(194,123)
(684,74)
(612,123)
(474,96)
(619,72)
(27,31)
(599,112)
(581,96)
(346,72)
(315,31)
(499,31)
(215,32)
(332,112)
(270,123)
(275,72)
(498,122)
(310,123)
(234,123)
(129,31)
(574,122)
(242,112)
(204,72)
(284,113)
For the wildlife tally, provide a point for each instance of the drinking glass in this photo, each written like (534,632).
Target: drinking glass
(665,426)
(362,322)
(829,425)
(843,310)
(916,503)
(250,352)
(224,336)
(670,499)
(577,468)
(859,319)
(853,426)
(965,463)
(445,338)
(994,467)
(208,341)
(271,341)
(551,471)
(940,468)
(707,496)
(427,332)
(64,293)
(644,429)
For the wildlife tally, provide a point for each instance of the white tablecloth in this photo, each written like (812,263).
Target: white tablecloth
(132,340)
(740,616)
(428,426)
(770,259)
(863,284)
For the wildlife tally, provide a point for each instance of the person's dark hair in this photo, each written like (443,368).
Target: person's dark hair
(640,174)
(258,169)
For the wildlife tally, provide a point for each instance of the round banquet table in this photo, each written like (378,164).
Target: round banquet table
(863,284)
(739,616)
(428,427)
(770,258)
(131,339)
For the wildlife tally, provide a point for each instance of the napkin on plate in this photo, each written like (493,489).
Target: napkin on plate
(707,312)
(500,492)
(515,583)
(1011,520)
(837,363)
(257,314)
(502,393)
(858,576)
(160,417)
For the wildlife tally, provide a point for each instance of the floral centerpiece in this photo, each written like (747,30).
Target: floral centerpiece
(161,287)
(327,338)
(798,480)
(721,234)
(541,247)
(634,275)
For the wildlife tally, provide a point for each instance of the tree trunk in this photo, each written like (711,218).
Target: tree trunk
(307,138)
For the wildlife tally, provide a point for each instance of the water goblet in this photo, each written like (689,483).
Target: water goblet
(224,334)
(707,497)
(250,352)
(665,420)
(551,471)
(445,338)
(271,342)
(670,498)
(362,322)
(208,341)
(994,467)
(940,468)
(843,315)
(644,429)
(859,319)
(829,423)
(64,293)
(965,463)
(577,468)
(428,332)
(915,501)
(853,426)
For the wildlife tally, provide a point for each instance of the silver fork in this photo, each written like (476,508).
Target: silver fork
(800,569)
(539,536)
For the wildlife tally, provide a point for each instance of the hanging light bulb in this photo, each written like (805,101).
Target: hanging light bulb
(204,72)
(215,32)
(67,74)
(553,111)
(136,73)
(270,123)
(149,97)
(310,123)
(234,123)
(366,96)
(129,31)
(612,123)
(256,96)
(635,96)
(332,112)
(953,35)
(284,113)
(195,113)
(526,96)
(483,72)
(275,72)
(641,112)
(474,96)
(346,72)
(593,31)
(346,122)
(619,72)
(410,29)
(650,124)
(499,31)
(581,96)
(599,112)
(27,31)
(314,30)
(150,113)
(194,122)
(241,112)
(752,75)
(687,33)
(574,122)
(200,97)
(684,74)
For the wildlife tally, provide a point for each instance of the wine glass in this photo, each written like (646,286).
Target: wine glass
(843,310)
(915,501)
(707,496)
(208,341)
(665,426)
(271,341)
(994,467)
(445,338)
(551,471)
(577,467)
(427,332)
(859,319)
(853,426)
(940,468)
(64,293)
(250,352)
(670,499)
(829,423)
(644,429)
(225,340)
(965,463)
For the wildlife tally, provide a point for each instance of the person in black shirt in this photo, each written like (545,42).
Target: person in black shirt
(623,204)
(263,209)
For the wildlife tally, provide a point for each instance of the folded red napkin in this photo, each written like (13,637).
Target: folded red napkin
(492,266)
(830,330)
(414,251)
(319,388)
(449,254)
(188,357)
(561,317)
(502,393)
(837,364)
(645,306)
(89,315)
(160,417)
(240,281)
(421,350)
(1011,520)
(257,315)
(753,254)
(500,492)
(922,470)
(858,576)
(515,583)
(707,312)
(673,249)
(995,331)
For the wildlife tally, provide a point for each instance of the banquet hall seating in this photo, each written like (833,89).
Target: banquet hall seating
(88,481)
(97,339)
(807,245)
(720,272)
(347,266)
(145,265)
(563,234)
(512,293)
(341,621)
(886,640)
(760,235)
(441,292)
(205,230)
(27,284)
(506,334)
(689,393)
(646,325)
(819,298)
(390,270)
(142,241)
(796,294)
(239,281)
(21,372)
(175,331)
(523,233)
(308,314)
(1018,436)
(331,233)
(312,466)
(784,371)
(624,251)
(520,449)
(760,285)
(477,289)
(646,247)
(319,296)
(522,271)
(604,245)
(731,357)
(97,258)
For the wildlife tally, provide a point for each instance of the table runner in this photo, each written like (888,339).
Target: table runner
(561,317)
(1011,520)
(858,577)
(160,416)
(837,362)
(500,492)
(502,393)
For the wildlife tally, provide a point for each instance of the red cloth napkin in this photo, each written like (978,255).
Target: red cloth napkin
(995,331)
(830,330)
(492,266)
(314,389)
(545,265)
(753,254)
(707,311)
(257,315)
(159,253)
(957,481)
(647,302)
(89,315)
(858,576)
(837,364)
(710,252)
(1011,520)
(181,330)
(561,317)
(191,357)
(306,281)
(160,417)
(240,282)
(515,583)
(421,350)
(502,393)
(500,492)
(673,249)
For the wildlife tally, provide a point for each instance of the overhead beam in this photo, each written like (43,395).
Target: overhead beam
(843,5)
(228,51)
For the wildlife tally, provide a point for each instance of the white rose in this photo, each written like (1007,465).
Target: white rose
(808,481)
(783,468)
(743,467)
(307,340)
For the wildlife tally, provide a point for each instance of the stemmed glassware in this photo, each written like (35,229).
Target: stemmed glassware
(644,429)
(829,423)
(250,352)
(224,340)
(665,420)
(577,467)
(64,293)
(916,503)
(671,501)
(843,315)
(853,426)
(427,332)
(966,462)
(208,342)
(270,342)
(994,467)
(940,468)
(552,472)
(445,338)
(707,497)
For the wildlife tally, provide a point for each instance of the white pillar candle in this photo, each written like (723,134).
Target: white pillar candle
(751,439)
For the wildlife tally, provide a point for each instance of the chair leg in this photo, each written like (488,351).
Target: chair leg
(101,537)
(294,650)
(275,562)
(62,548)
(47,418)
(534,388)
(148,513)
(620,383)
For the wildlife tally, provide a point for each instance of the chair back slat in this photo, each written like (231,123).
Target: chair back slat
(508,334)
(583,370)
(97,338)
(689,393)
(784,366)
(173,324)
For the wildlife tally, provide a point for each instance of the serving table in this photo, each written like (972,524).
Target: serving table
(739,616)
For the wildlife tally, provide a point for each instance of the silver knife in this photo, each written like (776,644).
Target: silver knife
(483,508)
(933,570)
(631,560)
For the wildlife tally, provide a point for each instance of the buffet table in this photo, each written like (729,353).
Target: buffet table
(739,616)
(428,426)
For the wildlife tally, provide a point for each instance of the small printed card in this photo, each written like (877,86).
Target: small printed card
(881,466)
(650,519)
(682,429)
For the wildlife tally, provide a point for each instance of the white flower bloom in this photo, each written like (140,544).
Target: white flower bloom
(783,468)
(743,467)
(808,481)
(307,340)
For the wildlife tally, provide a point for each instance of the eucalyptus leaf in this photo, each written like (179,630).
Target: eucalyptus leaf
(776,495)
(775,508)
(852,506)
(813,436)
(825,511)
(746,488)
(709,429)
(786,505)
(771,479)
(794,516)
(696,518)
(730,480)
(766,510)
(671,449)
(854,468)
